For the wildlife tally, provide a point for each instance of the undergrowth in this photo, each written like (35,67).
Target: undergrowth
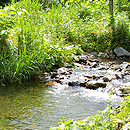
(37,35)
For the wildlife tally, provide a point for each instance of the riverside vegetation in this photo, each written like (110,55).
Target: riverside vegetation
(109,119)
(38,35)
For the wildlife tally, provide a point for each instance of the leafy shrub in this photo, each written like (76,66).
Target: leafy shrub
(121,34)
(48,3)
(84,12)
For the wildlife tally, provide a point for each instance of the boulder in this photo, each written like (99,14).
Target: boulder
(125,89)
(73,83)
(121,52)
(125,65)
(107,78)
(88,76)
(115,67)
(96,76)
(92,64)
(62,70)
(67,65)
(119,75)
(82,59)
(83,81)
(53,74)
(95,84)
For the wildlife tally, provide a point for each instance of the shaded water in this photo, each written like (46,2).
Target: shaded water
(37,106)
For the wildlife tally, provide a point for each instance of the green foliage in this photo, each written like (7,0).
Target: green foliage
(48,3)
(32,43)
(121,34)
(6,21)
(3,2)
(37,35)
(100,31)
(109,119)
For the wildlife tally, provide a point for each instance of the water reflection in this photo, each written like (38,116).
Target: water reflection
(37,107)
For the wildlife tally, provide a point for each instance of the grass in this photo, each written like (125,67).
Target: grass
(36,37)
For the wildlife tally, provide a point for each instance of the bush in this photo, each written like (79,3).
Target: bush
(121,34)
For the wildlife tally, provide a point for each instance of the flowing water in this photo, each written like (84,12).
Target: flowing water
(37,106)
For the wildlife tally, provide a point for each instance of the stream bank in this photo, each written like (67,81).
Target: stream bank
(94,71)
(63,92)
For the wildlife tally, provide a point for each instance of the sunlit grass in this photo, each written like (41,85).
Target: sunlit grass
(38,38)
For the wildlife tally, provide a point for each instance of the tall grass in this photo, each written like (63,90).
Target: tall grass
(33,44)
(34,38)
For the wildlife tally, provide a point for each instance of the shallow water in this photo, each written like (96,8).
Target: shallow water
(37,106)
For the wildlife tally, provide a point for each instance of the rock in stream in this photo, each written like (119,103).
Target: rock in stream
(94,74)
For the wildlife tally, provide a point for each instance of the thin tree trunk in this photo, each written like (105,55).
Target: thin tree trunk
(111,7)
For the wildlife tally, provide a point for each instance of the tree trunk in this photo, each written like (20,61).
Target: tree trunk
(111,7)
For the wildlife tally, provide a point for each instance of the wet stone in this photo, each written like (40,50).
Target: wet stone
(83,81)
(125,89)
(82,59)
(58,81)
(94,60)
(101,54)
(73,83)
(115,67)
(95,84)
(127,72)
(62,70)
(107,78)
(78,65)
(93,74)
(119,75)
(67,65)
(124,65)
(88,76)
(96,76)
(111,63)
(102,68)
(53,74)
(92,64)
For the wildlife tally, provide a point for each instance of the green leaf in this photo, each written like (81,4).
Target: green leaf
(67,122)
(3,14)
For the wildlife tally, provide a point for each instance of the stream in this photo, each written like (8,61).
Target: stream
(40,105)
